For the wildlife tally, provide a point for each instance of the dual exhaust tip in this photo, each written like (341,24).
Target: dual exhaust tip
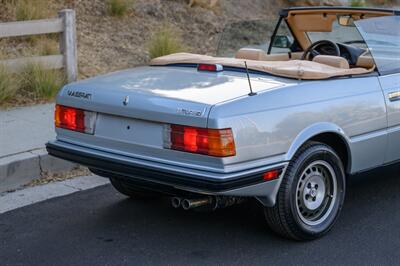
(188,204)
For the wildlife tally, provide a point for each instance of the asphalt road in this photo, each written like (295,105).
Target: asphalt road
(101,227)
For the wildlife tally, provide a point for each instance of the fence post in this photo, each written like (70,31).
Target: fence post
(68,44)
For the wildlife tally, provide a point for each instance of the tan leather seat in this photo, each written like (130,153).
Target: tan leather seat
(334,61)
(251,54)
(260,55)
(365,61)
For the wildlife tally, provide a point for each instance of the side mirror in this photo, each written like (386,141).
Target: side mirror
(282,41)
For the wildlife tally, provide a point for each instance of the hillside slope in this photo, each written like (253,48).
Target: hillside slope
(110,43)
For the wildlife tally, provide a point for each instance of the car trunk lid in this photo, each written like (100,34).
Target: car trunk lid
(165,94)
(133,106)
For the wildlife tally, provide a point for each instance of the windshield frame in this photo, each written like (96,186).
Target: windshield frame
(372,48)
(275,32)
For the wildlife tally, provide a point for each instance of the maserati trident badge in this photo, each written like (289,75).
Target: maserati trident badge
(126,100)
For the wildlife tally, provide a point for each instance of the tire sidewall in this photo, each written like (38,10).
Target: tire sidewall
(310,155)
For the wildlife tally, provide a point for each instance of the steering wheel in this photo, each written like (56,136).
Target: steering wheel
(311,49)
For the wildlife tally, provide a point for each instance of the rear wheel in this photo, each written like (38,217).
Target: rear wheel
(311,194)
(132,191)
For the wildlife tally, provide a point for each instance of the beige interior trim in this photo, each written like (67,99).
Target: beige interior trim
(298,69)
(313,22)
(260,55)
(251,54)
(296,55)
(365,61)
(335,61)
(301,21)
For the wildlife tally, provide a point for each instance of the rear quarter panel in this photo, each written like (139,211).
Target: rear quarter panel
(271,126)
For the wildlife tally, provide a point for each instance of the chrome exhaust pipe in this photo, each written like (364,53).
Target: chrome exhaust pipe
(188,204)
(176,202)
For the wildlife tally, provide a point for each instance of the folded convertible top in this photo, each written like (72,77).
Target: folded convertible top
(298,69)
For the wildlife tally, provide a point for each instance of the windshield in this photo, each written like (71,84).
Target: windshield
(339,34)
(382,36)
(245,34)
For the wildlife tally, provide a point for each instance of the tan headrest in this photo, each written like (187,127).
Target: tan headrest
(251,54)
(335,61)
(365,61)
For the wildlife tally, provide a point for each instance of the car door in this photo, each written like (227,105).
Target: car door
(382,36)
(391,89)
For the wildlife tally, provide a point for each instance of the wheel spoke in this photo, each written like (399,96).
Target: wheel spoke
(315,192)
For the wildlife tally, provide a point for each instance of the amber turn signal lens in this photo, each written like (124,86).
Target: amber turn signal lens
(212,142)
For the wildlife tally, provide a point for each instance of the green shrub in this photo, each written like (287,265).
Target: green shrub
(357,3)
(118,8)
(164,42)
(40,82)
(31,10)
(8,86)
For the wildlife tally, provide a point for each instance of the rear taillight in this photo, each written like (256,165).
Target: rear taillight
(210,67)
(213,142)
(74,119)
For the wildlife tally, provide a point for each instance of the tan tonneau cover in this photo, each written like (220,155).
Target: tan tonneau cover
(298,69)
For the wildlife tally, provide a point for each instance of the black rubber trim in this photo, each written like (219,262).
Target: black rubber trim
(143,184)
(128,170)
(285,12)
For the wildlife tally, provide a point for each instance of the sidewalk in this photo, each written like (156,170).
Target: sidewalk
(23,134)
(25,129)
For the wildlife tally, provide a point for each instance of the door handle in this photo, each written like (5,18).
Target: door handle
(394,96)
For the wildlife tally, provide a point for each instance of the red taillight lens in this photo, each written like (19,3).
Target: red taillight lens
(74,119)
(210,67)
(213,142)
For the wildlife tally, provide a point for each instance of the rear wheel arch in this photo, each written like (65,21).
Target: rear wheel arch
(338,144)
(328,134)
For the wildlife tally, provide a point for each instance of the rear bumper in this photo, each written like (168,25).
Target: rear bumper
(243,183)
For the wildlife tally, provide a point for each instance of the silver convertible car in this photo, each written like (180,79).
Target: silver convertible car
(283,115)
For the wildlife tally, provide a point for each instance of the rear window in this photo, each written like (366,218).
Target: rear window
(382,36)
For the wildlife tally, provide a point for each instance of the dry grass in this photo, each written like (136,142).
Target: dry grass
(34,84)
(23,47)
(39,82)
(118,8)
(8,85)
(46,46)
(48,177)
(30,9)
(165,41)
(208,4)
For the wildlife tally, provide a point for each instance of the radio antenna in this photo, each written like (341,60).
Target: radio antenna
(248,78)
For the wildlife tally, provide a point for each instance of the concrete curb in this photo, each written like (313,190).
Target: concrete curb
(19,169)
(31,195)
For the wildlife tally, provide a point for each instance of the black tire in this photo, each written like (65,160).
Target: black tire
(132,191)
(305,210)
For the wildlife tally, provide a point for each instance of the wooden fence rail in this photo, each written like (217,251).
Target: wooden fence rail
(65,25)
